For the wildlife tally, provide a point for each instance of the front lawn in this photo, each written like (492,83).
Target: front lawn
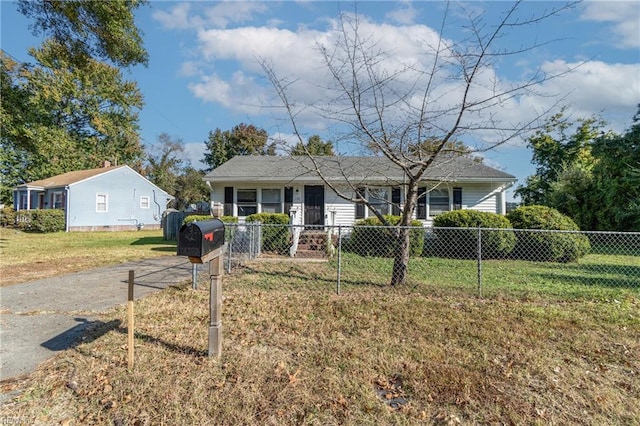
(294,352)
(32,256)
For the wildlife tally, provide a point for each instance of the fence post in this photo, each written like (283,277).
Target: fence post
(194,276)
(339,258)
(479,261)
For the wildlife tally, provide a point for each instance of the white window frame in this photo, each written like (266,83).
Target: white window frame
(277,205)
(23,202)
(241,204)
(429,198)
(145,202)
(375,201)
(57,198)
(380,203)
(105,196)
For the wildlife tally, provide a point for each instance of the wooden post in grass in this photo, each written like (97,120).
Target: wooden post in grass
(130,330)
(216,269)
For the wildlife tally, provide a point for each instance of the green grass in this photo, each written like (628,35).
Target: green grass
(64,252)
(597,276)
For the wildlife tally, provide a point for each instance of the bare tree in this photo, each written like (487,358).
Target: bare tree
(391,107)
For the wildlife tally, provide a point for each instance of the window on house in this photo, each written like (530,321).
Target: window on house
(271,201)
(57,200)
(145,202)
(23,201)
(247,202)
(438,201)
(379,198)
(102,203)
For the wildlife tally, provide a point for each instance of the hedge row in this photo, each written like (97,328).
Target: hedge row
(463,244)
(536,245)
(274,238)
(49,220)
(369,238)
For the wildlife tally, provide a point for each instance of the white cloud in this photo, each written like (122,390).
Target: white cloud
(183,17)
(592,87)
(405,14)
(194,153)
(624,17)
(226,12)
(177,18)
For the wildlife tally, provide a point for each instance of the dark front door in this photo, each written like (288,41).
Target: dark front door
(314,205)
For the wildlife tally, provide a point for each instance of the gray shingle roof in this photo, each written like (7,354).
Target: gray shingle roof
(369,169)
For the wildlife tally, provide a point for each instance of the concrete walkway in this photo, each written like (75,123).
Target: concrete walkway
(40,318)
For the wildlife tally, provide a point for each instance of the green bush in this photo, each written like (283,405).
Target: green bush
(228,230)
(547,246)
(275,236)
(50,220)
(463,243)
(196,218)
(370,238)
(7,217)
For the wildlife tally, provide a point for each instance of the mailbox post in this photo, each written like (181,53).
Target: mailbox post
(203,242)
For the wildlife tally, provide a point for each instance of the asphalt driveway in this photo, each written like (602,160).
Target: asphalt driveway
(40,318)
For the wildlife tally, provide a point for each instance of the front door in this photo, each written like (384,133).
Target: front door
(314,205)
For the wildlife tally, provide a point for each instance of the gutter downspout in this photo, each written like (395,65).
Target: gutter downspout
(503,197)
(66,208)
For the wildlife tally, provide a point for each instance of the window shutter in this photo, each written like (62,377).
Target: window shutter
(228,200)
(457,198)
(395,200)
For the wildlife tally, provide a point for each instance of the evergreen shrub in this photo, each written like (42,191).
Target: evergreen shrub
(463,243)
(276,236)
(370,238)
(547,246)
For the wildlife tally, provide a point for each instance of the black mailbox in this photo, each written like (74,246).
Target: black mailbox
(199,239)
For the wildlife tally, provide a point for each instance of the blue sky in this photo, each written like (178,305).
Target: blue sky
(203,73)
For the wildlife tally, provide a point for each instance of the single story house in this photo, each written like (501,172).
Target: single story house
(110,198)
(278,184)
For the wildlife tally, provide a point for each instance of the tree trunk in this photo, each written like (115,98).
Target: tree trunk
(401,259)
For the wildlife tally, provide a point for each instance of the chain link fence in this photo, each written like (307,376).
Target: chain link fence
(474,259)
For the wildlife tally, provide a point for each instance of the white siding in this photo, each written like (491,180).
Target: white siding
(343,210)
(481,197)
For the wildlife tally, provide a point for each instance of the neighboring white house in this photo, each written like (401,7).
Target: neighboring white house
(107,198)
(274,184)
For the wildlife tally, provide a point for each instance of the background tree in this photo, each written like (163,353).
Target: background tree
(314,146)
(558,152)
(590,175)
(615,190)
(102,30)
(190,188)
(390,107)
(72,108)
(165,162)
(243,139)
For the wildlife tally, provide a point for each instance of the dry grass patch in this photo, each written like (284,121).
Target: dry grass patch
(296,353)
(32,256)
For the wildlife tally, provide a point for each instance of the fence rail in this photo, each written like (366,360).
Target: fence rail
(482,260)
